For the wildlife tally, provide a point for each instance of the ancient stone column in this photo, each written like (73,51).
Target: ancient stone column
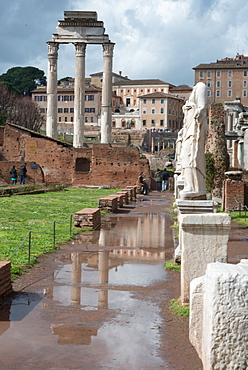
(106,111)
(79,93)
(51,122)
(229,128)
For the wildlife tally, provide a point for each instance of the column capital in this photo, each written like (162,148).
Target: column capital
(108,49)
(80,48)
(53,48)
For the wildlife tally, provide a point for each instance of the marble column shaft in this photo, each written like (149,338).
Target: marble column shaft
(51,121)
(79,96)
(106,110)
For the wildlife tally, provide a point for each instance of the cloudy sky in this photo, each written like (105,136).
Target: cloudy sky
(161,39)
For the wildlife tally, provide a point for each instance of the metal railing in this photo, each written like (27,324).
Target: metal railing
(29,237)
(241,208)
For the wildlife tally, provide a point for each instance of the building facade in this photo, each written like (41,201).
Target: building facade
(65,107)
(226,79)
(159,110)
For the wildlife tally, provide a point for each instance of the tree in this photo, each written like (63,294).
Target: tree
(19,110)
(22,80)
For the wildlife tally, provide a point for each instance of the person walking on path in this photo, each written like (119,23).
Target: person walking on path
(157,177)
(23,171)
(165,178)
(13,173)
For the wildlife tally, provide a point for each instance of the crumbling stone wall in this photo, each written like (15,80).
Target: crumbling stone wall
(216,144)
(100,164)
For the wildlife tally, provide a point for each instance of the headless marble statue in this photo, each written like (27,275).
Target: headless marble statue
(192,156)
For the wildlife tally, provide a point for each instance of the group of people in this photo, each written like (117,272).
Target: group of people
(161,179)
(23,172)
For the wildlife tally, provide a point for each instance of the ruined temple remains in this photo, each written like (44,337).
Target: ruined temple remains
(80,28)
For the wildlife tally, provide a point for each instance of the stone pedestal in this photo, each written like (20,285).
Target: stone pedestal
(196,206)
(5,278)
(192,207)
(218,316)
(204,240)
(88,217)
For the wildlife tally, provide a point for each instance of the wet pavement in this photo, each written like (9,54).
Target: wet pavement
(101,302)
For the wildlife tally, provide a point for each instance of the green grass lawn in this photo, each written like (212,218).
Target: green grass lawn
(36,212)
(240,217)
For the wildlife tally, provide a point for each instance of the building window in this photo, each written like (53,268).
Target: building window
(153,110)
(71,110)
(113,123)
(209,73)
(230,73)
(91,119)
(87,110)
(144,110)
(42,110)
(89,97)
(162,90)
(209,92)
(148,90)
(92,110)
(60,98)
(229,83)
(59,119)
(153,101)
(153,122)
(218,83)
(162,101)
(86,119)
(208,83)
(161,110)
(218,93)
(245,84)
(66,110)
(71,97)
(218,73)
(144,122)
(229,93)
(123,123)
(66,98)
(244,92)
(65,119)
(201,74)
(144,101)
(71,119)
(161,122)
(245,74)
(60,110)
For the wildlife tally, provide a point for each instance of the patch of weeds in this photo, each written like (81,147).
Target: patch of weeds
(179,309)
(171,265)
(87,229)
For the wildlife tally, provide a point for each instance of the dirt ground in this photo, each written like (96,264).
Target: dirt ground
(174,345)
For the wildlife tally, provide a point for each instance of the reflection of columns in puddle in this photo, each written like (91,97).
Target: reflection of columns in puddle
(76,275)
(103,269)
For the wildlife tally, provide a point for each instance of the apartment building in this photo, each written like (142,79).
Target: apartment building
(225,79)
(65,93)
(96,78)
(130,90)
(159,110)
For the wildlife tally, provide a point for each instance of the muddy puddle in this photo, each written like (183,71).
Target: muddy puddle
(99,307)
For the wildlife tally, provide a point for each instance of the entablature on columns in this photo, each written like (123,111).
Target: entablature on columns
(80,26)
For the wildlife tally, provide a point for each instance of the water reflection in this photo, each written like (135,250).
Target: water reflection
(146,231)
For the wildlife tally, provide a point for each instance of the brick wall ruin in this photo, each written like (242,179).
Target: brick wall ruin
(216,144)
(59,162)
